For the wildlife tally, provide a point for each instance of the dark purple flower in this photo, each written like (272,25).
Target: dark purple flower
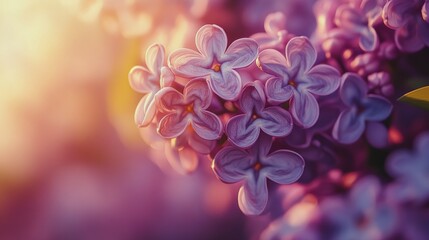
(296,79)
(253,166)
(243,130)
(148,81)
(358,18)
(411,168)
(214,61)
(360,108)
(275,35)
(362,215)
(188,109)
(409,20)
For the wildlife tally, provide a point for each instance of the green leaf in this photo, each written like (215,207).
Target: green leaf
(418,97)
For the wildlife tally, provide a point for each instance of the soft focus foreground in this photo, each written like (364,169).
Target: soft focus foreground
(73,165)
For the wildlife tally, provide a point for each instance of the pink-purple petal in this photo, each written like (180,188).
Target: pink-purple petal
(200,144)
(276,121)
(172,125)
(141,80)
(198,92)
(207,125)
(272,62)
(145,110)
(323,80)
(275,22)
(395,12)
(230,164)
(407,38)
(252,97)
(284,166)
(240,132)
(353,89)
(226,84)
(368,40)
(155,58)
(211,41)
(348,127)
(188,63)
(304,109)
(300,54)
(167,77)
(377,108)
(253,195)
(277,91)
(425,11)
(167,98)
(241,53)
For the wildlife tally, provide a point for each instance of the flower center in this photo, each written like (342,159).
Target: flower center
(190,108)
(255,116)
(292,82)
(216,67)
(257,166)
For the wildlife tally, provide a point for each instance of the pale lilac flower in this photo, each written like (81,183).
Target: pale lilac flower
(358,18)
(188,109)
(409,20)
(253,166)
(214,61)
(381,84)
(243,130)
(275,35)
(296,79)
(360,108)
(361,215)
(411,168)
(148,81)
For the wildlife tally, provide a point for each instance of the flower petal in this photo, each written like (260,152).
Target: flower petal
(275,121)
(198,92)
(422,143)
(240,132)
(241,53)
(277,91)
(364,194)
(231,163)
(141,80)
(300,54)
(423,31)
(155,58)
(407,38)
(252,97)
(348,127)
(275,22)
(353,89)
(167,77)
(207,125)
(272,62)
(253,195)
(377,108)
(211,41)
(284,166)
(183,160)
(226,85)
(169,99)
(188,63)
(425,11)
(368,40)
(304,109)
(145,110)
(323,80)
(400,163)
(395,13)
(172,125)
(200,144)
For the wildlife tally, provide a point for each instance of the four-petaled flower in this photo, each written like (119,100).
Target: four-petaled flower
(410,21)
(148,81)
(253,166)
(188,110)
(360,20)
(243,130)
(411,168)
(360,107)
(214,61)
(296,78)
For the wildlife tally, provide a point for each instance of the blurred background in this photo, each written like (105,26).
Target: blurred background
(72,162)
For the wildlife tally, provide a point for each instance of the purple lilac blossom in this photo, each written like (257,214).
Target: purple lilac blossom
(358,18)
(148,81)
(275,35)
(409,20)
(254,166)
(411,170)
(363,214)
(360,108)
(297,79)
(243,130)
(188,110)
(214,61)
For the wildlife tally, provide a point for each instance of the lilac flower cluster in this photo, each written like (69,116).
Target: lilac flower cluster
(279,107)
